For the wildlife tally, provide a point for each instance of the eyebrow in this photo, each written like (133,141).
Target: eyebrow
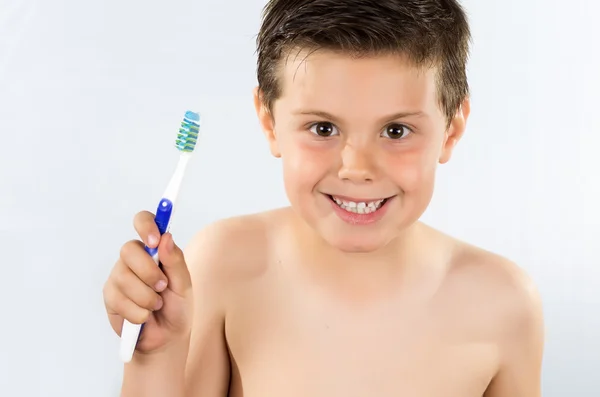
(329,116)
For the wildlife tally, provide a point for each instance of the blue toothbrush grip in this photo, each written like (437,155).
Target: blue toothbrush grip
(162,219)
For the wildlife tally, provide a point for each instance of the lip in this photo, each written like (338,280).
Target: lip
(359,219)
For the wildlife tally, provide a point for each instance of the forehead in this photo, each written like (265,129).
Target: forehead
(342,83)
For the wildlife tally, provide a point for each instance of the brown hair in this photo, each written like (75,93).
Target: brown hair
(431,33)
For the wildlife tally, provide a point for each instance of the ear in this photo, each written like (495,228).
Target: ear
(456,130)
(267,123)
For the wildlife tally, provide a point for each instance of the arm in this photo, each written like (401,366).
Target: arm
(199,364)
(522,346)
(208,369)
(156,375)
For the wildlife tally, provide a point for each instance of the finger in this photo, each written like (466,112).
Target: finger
(136,290)
(173,265)
(141,264)
(146,228)
(117,304)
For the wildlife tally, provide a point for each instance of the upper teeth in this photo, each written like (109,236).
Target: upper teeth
(360,207)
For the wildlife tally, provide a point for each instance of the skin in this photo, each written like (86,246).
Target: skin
(307,304)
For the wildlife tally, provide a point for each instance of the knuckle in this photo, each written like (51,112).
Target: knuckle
(118,304)
(108,294)
(138,316)
(150,301)
(142,218)
(123,280)
(129,248)
(146,270)
(143,270)
(145,298)
(137,217)
(151,274)
(118,277)
(125,250)
(107,288)
(120,281)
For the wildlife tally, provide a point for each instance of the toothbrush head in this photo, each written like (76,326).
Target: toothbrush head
(188,133)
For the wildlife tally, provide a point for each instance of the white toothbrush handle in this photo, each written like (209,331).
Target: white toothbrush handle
(129,338)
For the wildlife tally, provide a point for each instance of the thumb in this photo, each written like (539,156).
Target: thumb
(173,265)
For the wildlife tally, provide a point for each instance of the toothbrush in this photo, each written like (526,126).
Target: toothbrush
(185,143)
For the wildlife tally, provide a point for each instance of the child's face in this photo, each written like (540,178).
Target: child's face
(359,131)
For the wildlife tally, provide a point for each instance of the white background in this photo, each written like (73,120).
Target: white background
(91,95)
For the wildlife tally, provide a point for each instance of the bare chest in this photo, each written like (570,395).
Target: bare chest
(285,341)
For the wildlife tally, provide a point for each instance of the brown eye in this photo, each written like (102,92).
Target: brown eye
(396,131)
(323,129)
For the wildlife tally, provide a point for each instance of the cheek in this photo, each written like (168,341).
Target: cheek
(412,170)
(304,165)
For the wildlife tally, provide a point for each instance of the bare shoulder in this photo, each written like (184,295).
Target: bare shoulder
(483,272)
(504,297)
(501,282)
(496,287)
(496,297)
(232,248)
(220,256)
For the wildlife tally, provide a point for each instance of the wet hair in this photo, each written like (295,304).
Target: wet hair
(429,33)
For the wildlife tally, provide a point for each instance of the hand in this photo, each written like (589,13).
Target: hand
(139,291)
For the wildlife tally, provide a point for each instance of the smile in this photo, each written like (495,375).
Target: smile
(358,207)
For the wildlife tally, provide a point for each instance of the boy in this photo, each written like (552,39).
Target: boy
(345,293)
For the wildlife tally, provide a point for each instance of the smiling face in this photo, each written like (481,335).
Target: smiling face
(360,140)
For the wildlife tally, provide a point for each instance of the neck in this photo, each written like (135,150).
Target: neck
(411,264)
(399,254)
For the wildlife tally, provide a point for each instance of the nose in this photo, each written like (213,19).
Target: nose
(357,164)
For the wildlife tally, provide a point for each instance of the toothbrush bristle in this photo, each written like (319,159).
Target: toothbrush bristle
(188,133)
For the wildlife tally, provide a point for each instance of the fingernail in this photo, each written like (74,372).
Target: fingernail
(152,240)
(161,285)
(159,304)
